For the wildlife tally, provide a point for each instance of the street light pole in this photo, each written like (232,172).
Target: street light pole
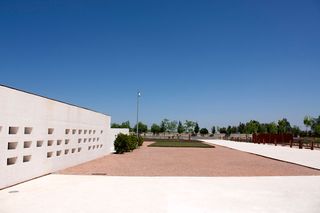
(138,96)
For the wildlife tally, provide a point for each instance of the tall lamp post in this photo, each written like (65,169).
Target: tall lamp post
(138,96)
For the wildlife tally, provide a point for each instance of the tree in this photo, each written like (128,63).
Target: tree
(126,124)
(155,129)
(189,126)
(296,131)
(263,128)
(252,127)
(223,130)
(241,128)
(180,128)
(172,126)
(143,128)
(213,130)
(204,131)
(115,125)
(284,126)
(196,128)
(307,121)
(272,128)
(164,125)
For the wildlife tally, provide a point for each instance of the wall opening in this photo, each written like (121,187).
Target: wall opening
(49,154)
(66,151)
(89,139)
(26,158)
(27,130)
(74,131)
(59,142)
(73,150)
(66,141)
(50,142)
(94,131)
(11,161)
(79,140)
(13,130)
(84,140)
(79,149)
(67,131)
(50,131)
(39,143)
(101,132)
(85,131)
(94,139)
(27,144)
(90,132)
(12,145)
(58,153)
(89,147)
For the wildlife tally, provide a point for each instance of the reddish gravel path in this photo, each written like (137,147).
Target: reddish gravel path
(219,161)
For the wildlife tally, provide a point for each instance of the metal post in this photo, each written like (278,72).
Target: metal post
(138,95)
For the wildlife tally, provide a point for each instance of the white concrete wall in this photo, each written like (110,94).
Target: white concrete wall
(60,135)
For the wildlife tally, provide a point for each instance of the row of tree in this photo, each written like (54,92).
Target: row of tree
(251,127)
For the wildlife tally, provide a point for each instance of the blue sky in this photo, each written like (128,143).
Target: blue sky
(215,62)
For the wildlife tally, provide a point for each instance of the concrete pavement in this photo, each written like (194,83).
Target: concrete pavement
(305,157)
(67,193)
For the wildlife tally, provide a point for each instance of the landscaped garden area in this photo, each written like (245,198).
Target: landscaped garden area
(179,143)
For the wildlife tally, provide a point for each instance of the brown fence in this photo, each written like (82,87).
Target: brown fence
(273,138)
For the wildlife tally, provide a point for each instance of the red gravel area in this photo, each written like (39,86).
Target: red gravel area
(219,161)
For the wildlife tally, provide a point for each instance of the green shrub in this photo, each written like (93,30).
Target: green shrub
(133,142)
(121,144)
(140,140)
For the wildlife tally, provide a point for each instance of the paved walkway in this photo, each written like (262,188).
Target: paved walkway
(305,157)
(83,194)
(174,161)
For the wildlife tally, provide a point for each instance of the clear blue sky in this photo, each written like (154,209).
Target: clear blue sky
(215,62)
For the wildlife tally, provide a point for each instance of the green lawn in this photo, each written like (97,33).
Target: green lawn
(175,143)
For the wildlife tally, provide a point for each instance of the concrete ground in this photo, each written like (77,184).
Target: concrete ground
(164,161)
(82,194)
(305,157)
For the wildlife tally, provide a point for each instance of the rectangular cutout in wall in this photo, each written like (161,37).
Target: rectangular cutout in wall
(89,147)
(66,151)
(39,143)
(85,131)
(0,128)
(79,131)
(49,154)
(67,131)
(74,131)
(11,161)
(59,142)
(73,150)
(66,141)
(12,145)
(90,132)
(27,130)
(79,140)
(13,130)
(94,139)
(50,142)
(50,131)
(58,153)
(101,145)
(94,131)
(98,139)
(84,140)
(27,144)
(89,139)
(79,149)
(94,147)
(26,158)
(101,131)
